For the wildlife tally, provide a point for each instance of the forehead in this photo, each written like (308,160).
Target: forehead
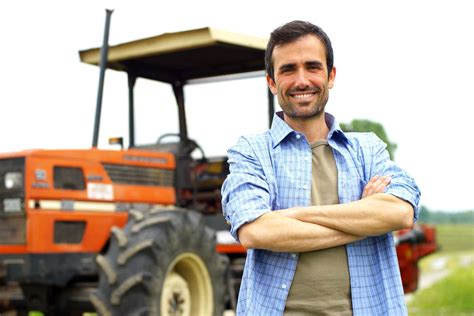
(306,48)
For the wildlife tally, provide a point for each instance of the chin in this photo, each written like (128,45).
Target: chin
(305,115)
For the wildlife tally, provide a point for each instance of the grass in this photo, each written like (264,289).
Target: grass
(452,295)
(455,237)
(455,241)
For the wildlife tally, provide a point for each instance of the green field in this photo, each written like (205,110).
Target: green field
(454,294)
(455,237)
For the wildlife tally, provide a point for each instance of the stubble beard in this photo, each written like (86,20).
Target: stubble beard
(294,111)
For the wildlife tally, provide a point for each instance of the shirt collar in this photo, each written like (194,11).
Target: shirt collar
(280,129)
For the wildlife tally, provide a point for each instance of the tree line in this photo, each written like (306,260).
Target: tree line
(443,217)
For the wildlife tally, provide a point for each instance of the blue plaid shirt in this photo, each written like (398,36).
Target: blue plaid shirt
(272,171)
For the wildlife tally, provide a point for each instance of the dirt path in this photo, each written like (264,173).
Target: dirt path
(438,270)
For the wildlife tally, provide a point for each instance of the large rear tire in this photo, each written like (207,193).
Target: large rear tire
(162,263)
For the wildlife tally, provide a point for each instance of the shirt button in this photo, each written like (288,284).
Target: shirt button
(293,255)
(283,286)
(298,136)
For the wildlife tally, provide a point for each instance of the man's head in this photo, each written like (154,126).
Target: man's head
(290,32)
(300,70)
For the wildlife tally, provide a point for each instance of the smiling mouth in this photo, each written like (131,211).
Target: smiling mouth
(303,95)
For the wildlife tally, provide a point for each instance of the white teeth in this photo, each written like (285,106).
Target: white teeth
(302,96)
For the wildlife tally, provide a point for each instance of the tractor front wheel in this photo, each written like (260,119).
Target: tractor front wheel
(162,263)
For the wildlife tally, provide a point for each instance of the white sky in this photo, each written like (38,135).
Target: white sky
(406,64)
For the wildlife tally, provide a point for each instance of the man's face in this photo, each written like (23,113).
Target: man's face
(301,78)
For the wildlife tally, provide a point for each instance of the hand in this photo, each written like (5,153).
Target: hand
(376,185)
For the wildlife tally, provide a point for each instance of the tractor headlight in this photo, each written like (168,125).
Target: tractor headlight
(13,180)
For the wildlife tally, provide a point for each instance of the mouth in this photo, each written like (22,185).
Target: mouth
(304,96)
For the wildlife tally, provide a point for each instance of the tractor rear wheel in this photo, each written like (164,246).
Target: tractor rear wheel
(162,263)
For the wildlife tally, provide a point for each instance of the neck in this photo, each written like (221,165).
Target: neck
(314,128)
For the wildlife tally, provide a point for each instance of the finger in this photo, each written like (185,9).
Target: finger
(380,188)
(368,186)
(374,179)
(376,184)
(382,184)
(371,182)
(368,190)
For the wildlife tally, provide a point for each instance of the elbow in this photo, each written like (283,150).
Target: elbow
(403,213)
(407,217)
(247,236)
(259,234)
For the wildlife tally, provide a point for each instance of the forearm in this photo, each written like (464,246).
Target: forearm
(279,233)
(371,216)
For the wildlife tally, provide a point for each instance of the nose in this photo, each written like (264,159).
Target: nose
(301,80)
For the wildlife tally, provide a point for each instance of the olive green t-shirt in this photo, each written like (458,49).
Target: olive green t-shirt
(321,285)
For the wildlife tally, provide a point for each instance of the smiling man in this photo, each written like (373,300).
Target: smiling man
(315,206)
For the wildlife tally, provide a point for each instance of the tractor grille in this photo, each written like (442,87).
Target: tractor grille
(12,230)
(69,232)
(134,175)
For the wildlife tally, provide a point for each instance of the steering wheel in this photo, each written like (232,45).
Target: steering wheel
(188,144)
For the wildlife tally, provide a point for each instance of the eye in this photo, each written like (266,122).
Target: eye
(314,66)
(286,69)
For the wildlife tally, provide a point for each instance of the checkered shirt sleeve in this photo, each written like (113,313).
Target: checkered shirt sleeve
(245,192)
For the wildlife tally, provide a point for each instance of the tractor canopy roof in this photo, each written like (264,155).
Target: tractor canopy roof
(184,56)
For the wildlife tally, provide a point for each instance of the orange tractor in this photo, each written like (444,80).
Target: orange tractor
(135,231)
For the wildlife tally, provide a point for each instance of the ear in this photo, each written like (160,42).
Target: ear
(271,84)
(332,77)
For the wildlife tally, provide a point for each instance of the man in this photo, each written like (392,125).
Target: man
(306,199)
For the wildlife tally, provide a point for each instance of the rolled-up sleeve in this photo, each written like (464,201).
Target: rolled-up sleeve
(245,192)
(402,185)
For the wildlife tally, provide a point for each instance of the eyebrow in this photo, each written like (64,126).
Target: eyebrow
(290,66)
(314,63)
(287,67)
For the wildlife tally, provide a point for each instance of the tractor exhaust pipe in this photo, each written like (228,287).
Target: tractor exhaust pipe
(103,65)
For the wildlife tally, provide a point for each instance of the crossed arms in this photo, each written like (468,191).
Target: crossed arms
(247,194)
(310,228)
